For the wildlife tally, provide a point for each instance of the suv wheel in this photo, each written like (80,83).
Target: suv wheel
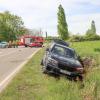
(25,45)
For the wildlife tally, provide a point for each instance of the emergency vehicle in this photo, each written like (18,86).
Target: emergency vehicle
(31,41)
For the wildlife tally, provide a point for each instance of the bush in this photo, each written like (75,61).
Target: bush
(76,38)
(92,37)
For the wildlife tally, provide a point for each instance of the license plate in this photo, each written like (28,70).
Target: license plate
(65,72)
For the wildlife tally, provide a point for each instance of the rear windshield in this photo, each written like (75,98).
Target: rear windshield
(62,51)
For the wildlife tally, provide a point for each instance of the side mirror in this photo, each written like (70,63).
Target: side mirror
(47,49)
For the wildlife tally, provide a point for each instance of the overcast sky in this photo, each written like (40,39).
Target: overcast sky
(43,13)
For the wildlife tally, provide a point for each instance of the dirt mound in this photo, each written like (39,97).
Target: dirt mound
(88,63)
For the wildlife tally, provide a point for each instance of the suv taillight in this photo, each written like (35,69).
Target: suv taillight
(79,69)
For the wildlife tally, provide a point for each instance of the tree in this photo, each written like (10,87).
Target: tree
(91,31)
(62,24)
(88,32)
(11,26)
(93,28)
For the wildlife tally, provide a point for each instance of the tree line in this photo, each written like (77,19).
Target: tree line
(63,33)
(12,27)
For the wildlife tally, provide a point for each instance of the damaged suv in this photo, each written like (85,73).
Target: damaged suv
(61,59)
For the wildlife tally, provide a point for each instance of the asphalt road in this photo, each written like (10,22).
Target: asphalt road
(11,58)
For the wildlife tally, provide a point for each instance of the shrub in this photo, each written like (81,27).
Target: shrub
(76,38)
(92,37)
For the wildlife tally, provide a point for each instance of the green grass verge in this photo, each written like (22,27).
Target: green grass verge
(88,49)
(31,84)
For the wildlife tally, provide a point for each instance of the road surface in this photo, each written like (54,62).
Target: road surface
(11,58)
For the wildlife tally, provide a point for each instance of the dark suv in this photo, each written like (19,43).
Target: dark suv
(61,59)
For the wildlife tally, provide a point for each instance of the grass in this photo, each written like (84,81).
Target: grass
(88,49)
(31,84)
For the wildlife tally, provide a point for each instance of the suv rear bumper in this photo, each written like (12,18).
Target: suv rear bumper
(57,70)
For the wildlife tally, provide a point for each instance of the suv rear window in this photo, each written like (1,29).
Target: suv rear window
(61,51)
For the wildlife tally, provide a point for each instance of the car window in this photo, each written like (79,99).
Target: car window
(65,52)
(3,42)
(70,53)
(58,50)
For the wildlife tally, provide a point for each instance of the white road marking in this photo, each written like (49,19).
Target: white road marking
(6,81)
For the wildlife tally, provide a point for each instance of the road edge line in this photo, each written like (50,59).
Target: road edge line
(8,79)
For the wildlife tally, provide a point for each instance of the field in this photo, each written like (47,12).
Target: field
(31,84)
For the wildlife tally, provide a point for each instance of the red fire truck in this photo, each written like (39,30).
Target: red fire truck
(31,41)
